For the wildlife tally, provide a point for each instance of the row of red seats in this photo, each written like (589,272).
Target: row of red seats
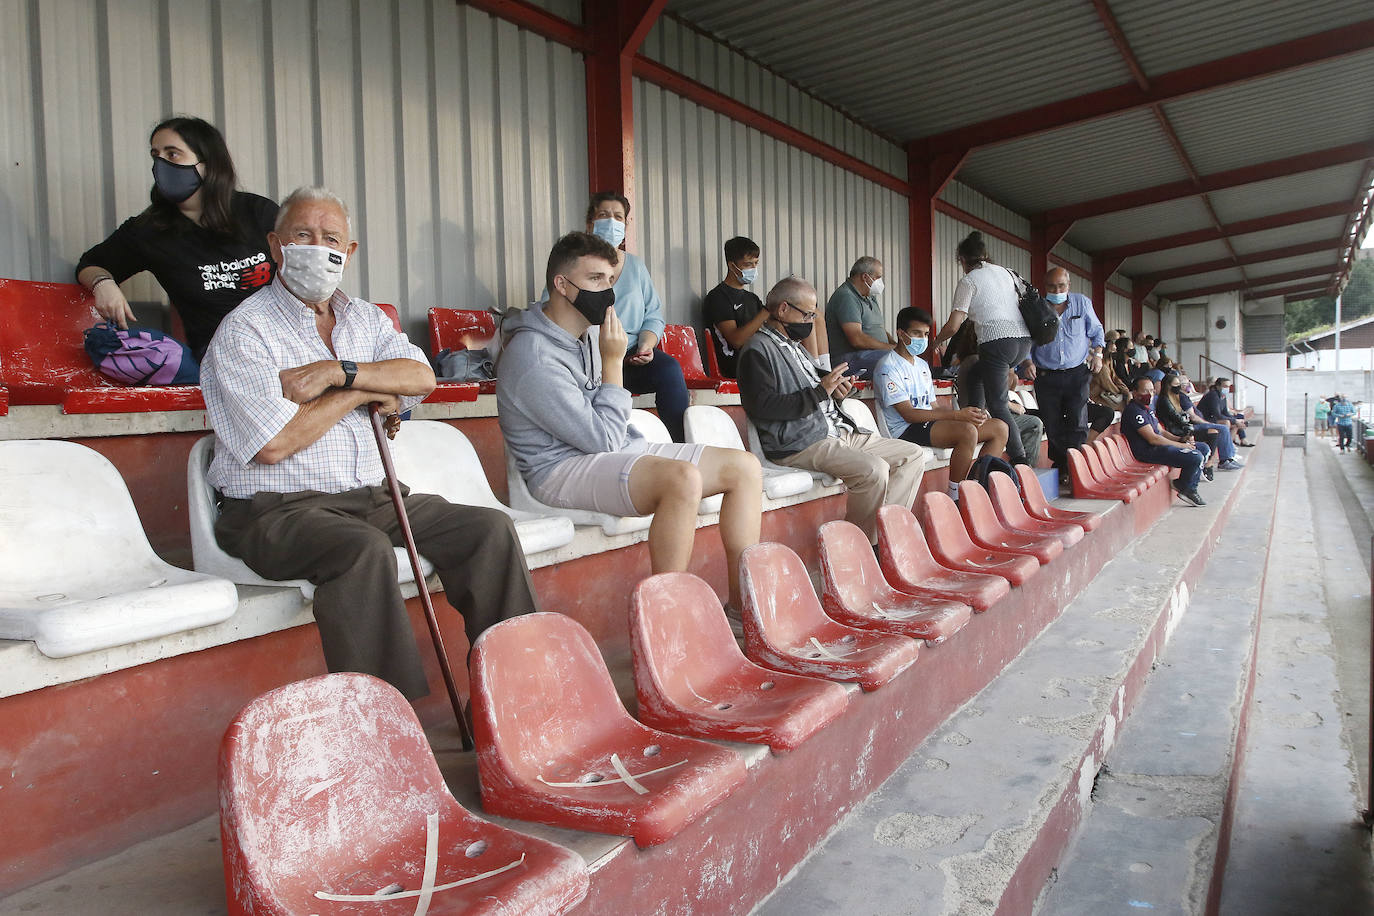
(352,780)
(1106,469)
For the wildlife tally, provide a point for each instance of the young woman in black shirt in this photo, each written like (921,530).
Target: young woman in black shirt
(204,241)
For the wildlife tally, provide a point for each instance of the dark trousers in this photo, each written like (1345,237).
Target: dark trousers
(1345,433)
(663,376)
(342,542)
(1172,456)
(1063,398)
(995,360)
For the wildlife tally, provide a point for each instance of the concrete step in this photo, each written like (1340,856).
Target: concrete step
(1161,804)
(976,820)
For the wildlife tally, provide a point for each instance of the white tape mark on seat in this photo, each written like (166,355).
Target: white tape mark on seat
(427,887)
(319,787)
(625,775)
(826,652)
(610,782)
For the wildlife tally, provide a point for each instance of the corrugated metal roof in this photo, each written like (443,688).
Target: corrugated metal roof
(1279,195)
(1170,34)
(1323,106)
(1145,264)
(913,69)
(1154,221)
(1296,234)
(1321,261)
(1183,284)
(1083,162)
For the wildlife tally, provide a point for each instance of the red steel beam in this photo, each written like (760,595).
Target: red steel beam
(1255,283)
(1165,87)
(654,72)
(1259,257)
(1218,181)
(541,22)
(1214,234)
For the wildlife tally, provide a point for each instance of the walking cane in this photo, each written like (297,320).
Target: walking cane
(379,429)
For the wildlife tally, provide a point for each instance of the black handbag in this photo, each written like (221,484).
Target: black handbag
(1041,319)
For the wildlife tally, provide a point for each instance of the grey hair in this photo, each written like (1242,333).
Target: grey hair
(788,289)
(864,265)
(311,193)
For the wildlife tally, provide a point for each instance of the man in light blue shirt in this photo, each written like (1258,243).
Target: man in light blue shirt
(1063,368)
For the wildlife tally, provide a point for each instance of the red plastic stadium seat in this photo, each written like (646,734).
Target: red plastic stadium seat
(950,543)
(692,679)
(680,342)
(555,744)
(1088,485)
(1033,497)
(1006,499)
(855,593)
(907,563)
(1121,457)
(328,787)
(462,329)
(41,328)
(986,529)
(786,630)
(391,313)
(4,401)
(1141,476)
(712,364)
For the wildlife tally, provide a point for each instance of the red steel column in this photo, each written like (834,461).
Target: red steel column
(927,178)
(1102,272)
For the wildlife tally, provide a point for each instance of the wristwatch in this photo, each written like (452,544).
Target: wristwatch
(350,369)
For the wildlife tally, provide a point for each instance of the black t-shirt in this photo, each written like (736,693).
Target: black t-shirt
(1134,418)
(725,303)
(206,274)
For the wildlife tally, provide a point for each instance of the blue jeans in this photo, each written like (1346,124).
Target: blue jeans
(1175,457)
(663,376)
(1226,446)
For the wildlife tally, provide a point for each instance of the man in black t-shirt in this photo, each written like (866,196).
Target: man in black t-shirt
(1154,445)
(732,313)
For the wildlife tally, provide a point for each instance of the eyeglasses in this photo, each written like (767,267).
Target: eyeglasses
(806,316)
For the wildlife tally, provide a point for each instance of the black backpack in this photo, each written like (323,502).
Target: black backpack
(1041,319)
(987,465)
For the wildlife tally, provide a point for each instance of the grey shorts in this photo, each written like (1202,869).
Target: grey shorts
(601,482)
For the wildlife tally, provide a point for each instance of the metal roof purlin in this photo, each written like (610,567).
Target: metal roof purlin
(1260,224)
(1260,257)
(1356,227)
(539,21)
(1256,283)
(1227,71)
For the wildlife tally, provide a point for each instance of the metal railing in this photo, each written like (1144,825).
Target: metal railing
(1202,374)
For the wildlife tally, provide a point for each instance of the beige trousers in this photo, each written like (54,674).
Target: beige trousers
(877,471)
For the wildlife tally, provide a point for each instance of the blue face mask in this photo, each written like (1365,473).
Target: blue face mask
(1057,298)
(611,231)
(748,275)
(917,346)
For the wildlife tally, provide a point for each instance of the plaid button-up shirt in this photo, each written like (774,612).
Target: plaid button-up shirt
(270,331)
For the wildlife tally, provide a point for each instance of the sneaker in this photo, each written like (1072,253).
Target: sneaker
(1190,496)
(1208,473)
(1246,444)
(1230,464)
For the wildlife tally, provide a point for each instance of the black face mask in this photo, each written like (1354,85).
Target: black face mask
(798,330)
(175,182)
(592,304)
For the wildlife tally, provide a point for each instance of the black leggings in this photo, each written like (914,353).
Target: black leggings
(1100,417)
(995,360)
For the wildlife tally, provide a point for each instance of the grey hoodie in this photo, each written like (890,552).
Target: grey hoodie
(550,400)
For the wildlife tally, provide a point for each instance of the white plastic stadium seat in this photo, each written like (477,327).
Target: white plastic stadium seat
(863,417)
(713,426)
(1028,398)
(652,429)
(757,449)
(209,557)
(612,525)
(940,454)
(76,571)
(434,457)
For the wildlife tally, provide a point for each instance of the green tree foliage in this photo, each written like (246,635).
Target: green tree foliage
(1357,301)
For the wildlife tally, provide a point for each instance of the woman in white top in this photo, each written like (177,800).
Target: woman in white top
(987,295)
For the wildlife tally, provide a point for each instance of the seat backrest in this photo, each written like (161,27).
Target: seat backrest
(460,329)
(316,770)
(942,523)
(863,417)
(711,426)
(1094,463)
(680,342)
(200,497)
(774,582)
(433,457)
(980,519)
(391,313)
(41,328)
(1032,494)
(649,426)
(903,543)
(712,364)
(849,570)
(1028,398)
(880,420)
(544,691)
(1006,500)
(680,632)
(70,519)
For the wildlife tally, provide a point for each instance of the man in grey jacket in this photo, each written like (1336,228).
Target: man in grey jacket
(565,412)
(801,426)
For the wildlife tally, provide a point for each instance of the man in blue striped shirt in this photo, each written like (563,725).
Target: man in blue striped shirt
(1062,368)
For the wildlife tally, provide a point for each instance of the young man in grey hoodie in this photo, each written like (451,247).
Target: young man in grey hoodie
(565,415)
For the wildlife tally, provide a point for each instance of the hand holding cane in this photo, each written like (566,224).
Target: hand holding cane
(379,429)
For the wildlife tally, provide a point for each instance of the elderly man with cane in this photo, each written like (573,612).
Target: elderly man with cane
(289,380)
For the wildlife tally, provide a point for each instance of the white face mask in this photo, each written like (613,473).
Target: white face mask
(876,287)
(312,272)
(612,231)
